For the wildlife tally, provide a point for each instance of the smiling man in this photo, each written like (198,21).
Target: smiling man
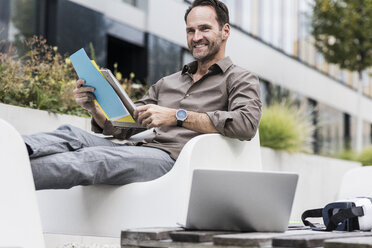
(209,95)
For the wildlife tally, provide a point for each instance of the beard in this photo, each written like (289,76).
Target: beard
(213,47)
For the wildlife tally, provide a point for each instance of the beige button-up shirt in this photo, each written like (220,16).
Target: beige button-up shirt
(228,94)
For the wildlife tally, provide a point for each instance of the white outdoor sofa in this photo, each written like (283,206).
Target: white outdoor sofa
(20,224)
(356,183)
(104,210)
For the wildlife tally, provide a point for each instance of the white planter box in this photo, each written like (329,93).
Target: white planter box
(29,121)
(319,180)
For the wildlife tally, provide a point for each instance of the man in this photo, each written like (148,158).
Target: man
(210,95)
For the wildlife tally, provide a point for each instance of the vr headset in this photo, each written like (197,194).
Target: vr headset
(345,215)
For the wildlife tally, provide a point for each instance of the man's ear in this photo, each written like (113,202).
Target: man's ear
(225,31)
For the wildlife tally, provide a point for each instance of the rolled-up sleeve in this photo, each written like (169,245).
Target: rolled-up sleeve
(151,97)
(243,115)
(110,130)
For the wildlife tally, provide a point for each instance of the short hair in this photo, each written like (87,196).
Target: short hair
(222,12)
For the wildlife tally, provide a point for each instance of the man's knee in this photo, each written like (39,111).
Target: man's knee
(68,127)
(72,132)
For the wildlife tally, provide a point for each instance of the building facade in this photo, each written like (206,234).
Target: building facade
(147,37)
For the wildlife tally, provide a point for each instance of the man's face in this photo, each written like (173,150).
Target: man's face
(204,36)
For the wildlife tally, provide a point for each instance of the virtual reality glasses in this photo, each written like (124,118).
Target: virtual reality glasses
(345,215)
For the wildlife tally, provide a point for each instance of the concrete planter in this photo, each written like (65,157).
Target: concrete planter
(28,121)
(319,181)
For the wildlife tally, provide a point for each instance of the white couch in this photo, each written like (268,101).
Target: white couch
(104,210)
(356,183)
(20,224)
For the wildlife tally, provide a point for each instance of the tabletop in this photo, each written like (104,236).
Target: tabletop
(294,237)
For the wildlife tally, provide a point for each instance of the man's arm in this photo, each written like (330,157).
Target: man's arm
(152,115)
(84,97)
(243,114)
(240,120)
(199,122)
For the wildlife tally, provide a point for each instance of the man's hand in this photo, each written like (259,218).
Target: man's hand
(151,115)
(84,95)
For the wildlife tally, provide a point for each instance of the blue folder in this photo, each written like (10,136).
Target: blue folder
(105,95)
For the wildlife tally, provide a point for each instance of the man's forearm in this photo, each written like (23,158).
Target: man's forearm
(199,122)
(152,115)
(98,116)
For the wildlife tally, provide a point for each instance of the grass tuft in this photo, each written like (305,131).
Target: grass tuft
(365,156)
(285,127)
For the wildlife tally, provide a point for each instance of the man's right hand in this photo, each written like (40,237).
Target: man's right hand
(84,95)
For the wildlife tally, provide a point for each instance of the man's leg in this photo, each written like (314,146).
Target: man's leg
(65,138)
(100,165)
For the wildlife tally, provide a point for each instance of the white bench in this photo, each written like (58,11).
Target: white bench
(20,224)
(356,183)
(104,210)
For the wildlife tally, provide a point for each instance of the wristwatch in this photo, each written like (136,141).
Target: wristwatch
(181,115)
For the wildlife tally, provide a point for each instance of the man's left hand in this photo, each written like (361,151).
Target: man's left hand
(152,115)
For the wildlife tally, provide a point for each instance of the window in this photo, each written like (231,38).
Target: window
(129,58)
(331,127)
(247,15)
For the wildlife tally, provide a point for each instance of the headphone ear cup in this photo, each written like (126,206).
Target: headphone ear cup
(365,221)
(344,215)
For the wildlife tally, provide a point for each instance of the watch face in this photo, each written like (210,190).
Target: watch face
(181,114)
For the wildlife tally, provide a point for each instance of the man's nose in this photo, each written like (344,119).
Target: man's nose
(197,36)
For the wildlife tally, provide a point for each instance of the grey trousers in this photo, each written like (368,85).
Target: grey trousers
(70,156)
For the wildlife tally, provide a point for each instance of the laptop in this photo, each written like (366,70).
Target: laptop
(240,200)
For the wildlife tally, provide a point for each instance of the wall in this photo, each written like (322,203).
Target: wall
(29,121)
(263,60)
(319,177)
(244,50)
(4,19)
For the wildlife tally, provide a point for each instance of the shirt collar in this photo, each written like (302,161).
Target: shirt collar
(222,64)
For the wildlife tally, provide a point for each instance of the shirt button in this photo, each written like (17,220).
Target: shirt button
(187,95)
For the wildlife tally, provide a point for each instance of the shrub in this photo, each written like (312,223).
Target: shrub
(365,156)
(348,154)
(41,79)
(285,127)
(134,88)
(44,79)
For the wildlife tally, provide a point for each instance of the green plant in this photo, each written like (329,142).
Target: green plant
(92,51)
(134,88)
(348,154)
(41,79)
(342,32)
(44,79)
(285,127)
(365,156)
